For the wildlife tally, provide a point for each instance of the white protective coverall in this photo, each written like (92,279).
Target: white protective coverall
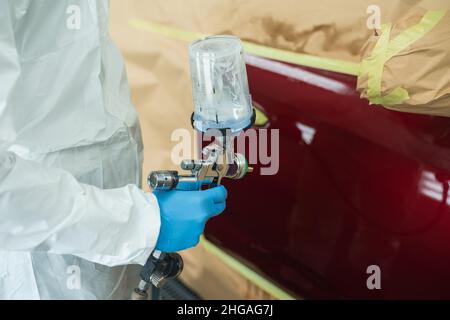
(73,222)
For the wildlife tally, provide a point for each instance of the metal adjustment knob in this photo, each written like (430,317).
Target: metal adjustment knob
(169,266)
(239,168)
(191,165)
(163,180)
(158,278)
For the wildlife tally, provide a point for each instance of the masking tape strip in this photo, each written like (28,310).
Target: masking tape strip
(255,49)
(246,272)
(260,117)
(385,49)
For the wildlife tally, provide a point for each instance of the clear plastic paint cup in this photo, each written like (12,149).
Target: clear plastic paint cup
(219,84)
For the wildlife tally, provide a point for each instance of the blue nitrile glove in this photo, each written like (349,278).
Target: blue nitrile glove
(184,212)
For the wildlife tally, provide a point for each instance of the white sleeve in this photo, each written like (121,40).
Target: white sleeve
(47,209)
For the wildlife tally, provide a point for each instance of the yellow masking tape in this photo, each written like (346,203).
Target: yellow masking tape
(165,30)
(255,49)
(385,49)
(260,117)
(246,272)
(306,60)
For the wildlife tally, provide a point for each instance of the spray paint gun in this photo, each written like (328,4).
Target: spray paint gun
(221,162)
(222,105)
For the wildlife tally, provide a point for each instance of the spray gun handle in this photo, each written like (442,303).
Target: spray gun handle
(160,267)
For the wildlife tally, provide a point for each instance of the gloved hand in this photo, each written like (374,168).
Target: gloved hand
(184,213)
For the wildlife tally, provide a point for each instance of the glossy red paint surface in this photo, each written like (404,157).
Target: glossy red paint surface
(358,185)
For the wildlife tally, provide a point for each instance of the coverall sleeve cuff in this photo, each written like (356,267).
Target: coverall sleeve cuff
(133,234)
(149,227)
(153,230)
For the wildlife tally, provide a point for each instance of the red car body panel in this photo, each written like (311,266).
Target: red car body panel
(357,185)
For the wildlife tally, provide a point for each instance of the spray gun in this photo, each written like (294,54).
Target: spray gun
(222,105)
(220,163)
